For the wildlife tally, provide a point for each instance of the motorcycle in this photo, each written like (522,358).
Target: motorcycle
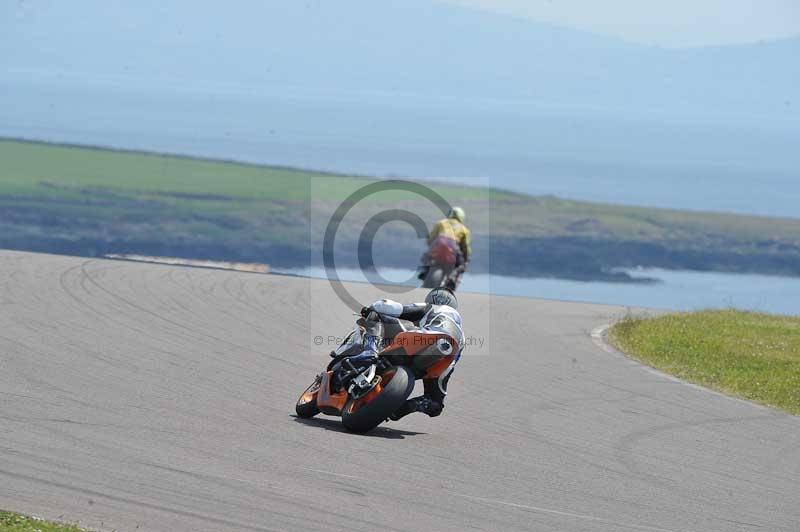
(365,391)
(442,262)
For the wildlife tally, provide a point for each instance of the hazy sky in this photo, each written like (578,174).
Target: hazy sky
(672,23)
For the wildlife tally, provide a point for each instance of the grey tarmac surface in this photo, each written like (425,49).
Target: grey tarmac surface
(149,397)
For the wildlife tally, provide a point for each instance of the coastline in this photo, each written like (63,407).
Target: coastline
(207,209)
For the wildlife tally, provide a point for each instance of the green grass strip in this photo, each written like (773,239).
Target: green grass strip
(40,169)
(750,355)
(11,522)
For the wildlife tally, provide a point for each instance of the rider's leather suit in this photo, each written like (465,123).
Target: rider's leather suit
(435,319)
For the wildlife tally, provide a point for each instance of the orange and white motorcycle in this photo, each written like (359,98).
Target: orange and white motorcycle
(365,391)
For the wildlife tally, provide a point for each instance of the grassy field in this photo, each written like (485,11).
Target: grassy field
(35,169)
(89,201)
(749,355)
(11,522)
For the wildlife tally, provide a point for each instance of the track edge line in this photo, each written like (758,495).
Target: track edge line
(599,336)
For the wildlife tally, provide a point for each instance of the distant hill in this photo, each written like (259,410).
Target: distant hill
(411,47)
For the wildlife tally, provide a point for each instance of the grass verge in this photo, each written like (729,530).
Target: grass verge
(750,355)
(11,522)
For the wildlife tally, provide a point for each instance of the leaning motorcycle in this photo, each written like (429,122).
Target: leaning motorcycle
(364,392)
(443,268)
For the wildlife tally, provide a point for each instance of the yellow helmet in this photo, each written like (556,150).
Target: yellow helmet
(457,213)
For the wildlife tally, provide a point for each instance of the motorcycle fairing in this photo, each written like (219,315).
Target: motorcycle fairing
(327,402)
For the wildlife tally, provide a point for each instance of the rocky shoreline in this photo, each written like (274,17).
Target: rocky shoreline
(561,257)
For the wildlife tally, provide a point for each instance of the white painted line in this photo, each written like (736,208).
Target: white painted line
(176,261)
(584,517)
(335,474)
(539,509)
(599,336)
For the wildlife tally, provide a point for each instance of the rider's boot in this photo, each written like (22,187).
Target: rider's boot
(423,404)
(431,402)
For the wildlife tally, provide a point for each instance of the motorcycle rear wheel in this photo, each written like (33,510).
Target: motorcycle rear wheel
(364,414)
(434,278)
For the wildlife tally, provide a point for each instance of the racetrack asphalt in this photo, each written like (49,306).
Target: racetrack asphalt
(149,397)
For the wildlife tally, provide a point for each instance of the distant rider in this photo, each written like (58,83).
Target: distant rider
(438,314)
(451,232)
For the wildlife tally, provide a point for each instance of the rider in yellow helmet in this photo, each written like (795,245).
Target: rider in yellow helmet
(451,229)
